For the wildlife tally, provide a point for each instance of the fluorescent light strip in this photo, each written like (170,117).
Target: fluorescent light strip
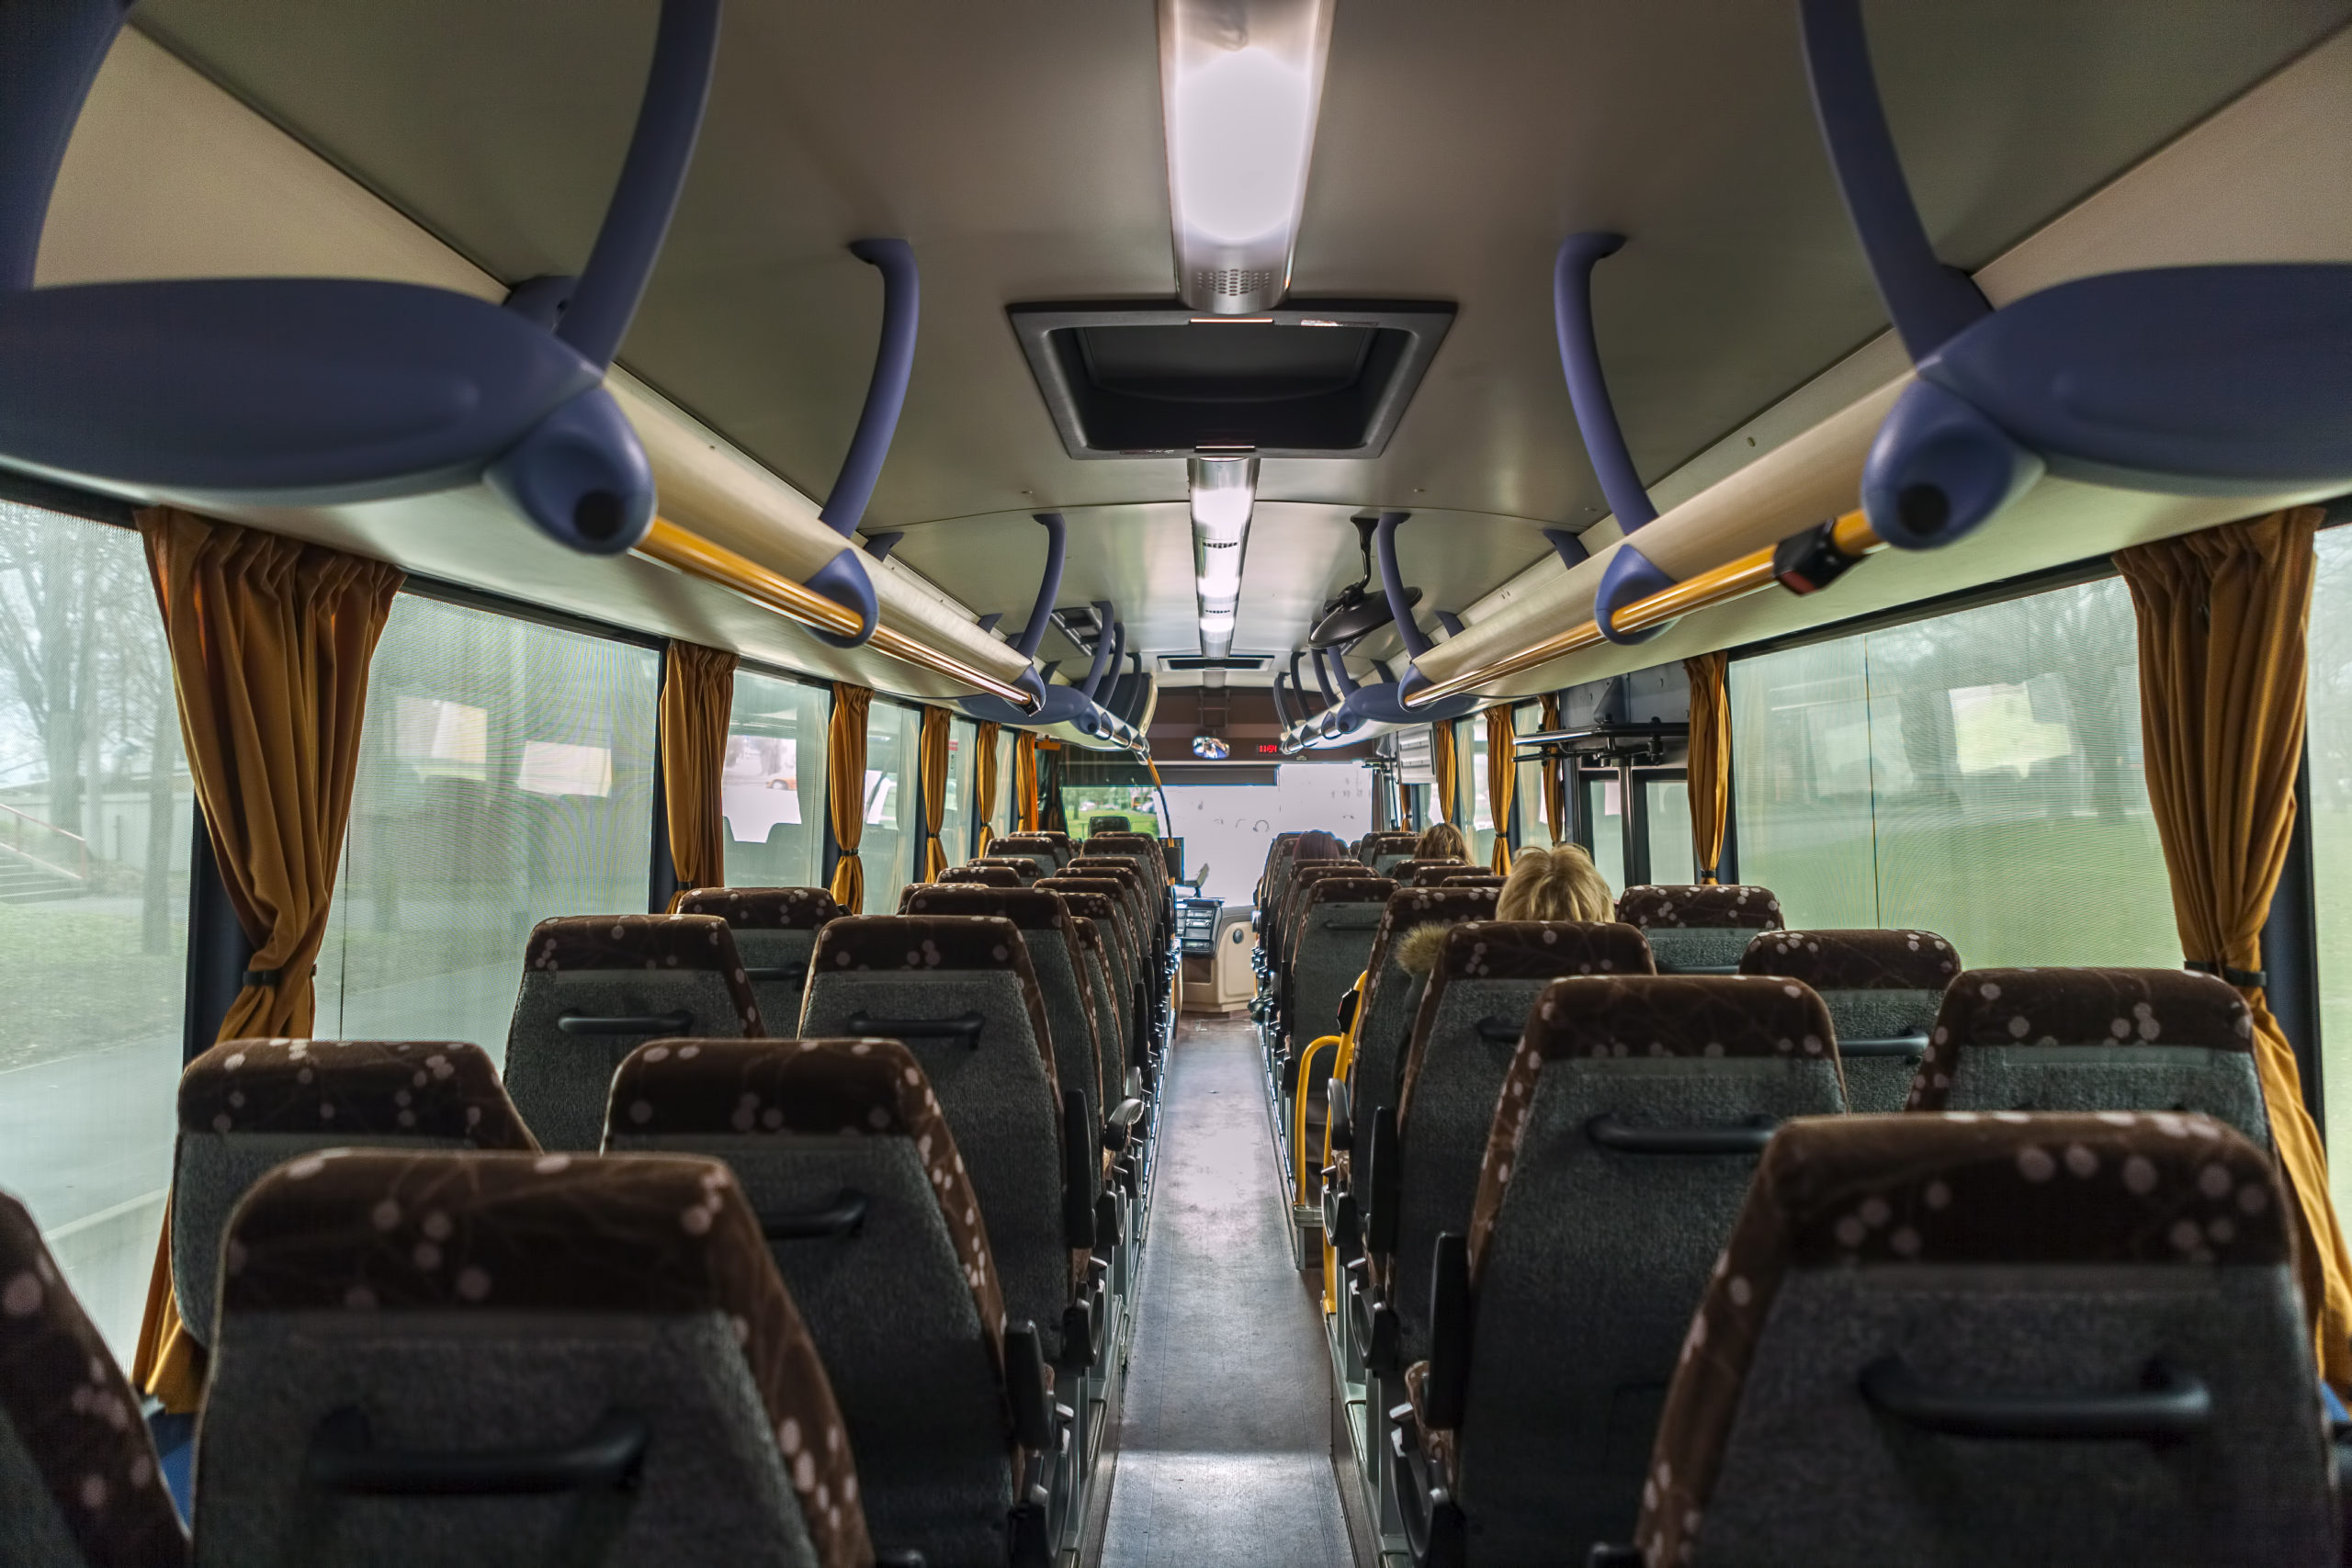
(1224,492)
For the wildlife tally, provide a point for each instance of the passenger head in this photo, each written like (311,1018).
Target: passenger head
(1441,841)
(1558,884)
(1317,845)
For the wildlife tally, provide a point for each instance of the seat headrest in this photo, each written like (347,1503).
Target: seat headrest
(1116,867)
(1710,906)
(762,908)
(422,1088)
(1679,1015)
(918,943)
(633,942)
(2092,1006)
(982,876)
(1471,879)
(1031,908)
(1356,889)
(1412,908)
(366,1230)
(1094,898)
(1855,960)
(1539,949)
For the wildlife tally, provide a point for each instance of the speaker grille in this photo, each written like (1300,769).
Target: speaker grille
(1233,282)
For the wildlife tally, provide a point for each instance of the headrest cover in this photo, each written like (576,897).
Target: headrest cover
(1855,960)
(633,942)
(918,943)
(1541,949)
(1699,907)
(1412,908)
(762,908)
(1356,889)
(982,876)
(1031,908)
(420,1089)
(1094,898)
(1679,1015)
(2077,1006)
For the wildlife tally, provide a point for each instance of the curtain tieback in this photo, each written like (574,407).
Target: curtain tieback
(255,979)
(2246,979)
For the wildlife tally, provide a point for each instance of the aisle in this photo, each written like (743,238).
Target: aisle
(1225,1443)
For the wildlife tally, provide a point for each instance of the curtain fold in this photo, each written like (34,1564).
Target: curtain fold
(984,784)
(1710,766)
(697,698)
(931,778)
(1553,800)
(270,641)
(1025,783)
(1442,762)
(845,790)
(2222,616)
(1502,779)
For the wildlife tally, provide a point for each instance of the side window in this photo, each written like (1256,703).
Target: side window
(772,789)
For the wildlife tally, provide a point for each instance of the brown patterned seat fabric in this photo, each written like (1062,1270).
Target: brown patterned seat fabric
(822,1087)
(1383,1021)
(73,1428)
(1429,872)
(1112,906)
(1374,845)
(638,1235)
(1855,960)
(419,1088)
(1014,845)
(983,875)
(1672,906)
(1027,870)
(1661,1015)
(570,942)
(1883,1191)
(762,908)
(2078,1007)
(1472,879)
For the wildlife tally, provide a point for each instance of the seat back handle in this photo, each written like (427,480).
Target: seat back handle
(1747,1138)
(845,1215)
(787,974)
(1892,1045)
(2169,1407)
(343,1458)
(627,1023)
(1501,1031)
(965,1027)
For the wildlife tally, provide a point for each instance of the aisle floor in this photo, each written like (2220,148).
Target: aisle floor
(1224,1442)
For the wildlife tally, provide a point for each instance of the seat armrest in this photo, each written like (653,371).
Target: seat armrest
(1449,1376)
(1382,1173)
(1340,1106)
(1604,1555)
(1082,1173)
(1025,1388)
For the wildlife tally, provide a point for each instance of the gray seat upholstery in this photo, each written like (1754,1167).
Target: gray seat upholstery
(1621,1144)
(878,1237)
(1698,930)
(1380,851)
(1392,996)
(775,930)
(1338,919)
(1487,981)
(1883,989)
(961,993)
(1889,1272)
(2094,1039)
(1280,855)
(1102,946)
(1150,861)
(1037,850)
(1298,1025)
(1051,941)
(405,1338)
(598,986)
(80,1486)
(1146,900)
(248,1106)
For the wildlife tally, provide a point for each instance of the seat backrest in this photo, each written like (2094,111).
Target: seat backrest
(1487,978)
(1337,922)
(1140,894)
(1122,914)
(2094,1039)
(248,1106)
(1279,850)
(598,986)
(1910,1304)
(853,1175)
(1410,871)
(1628,1129)
(1140,848)
(1302,884)
(1392,996)
(1101,943)
(1393,847)
(1051,941)
(1700,929)
(1882,988)
(387,1320)
(959,991)
(775,930)
(987,875)
(80,1486)
(1047,856)
(1028,865)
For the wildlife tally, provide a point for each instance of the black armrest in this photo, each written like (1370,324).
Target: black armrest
(1441,1396)
(899,1557)
(1345,1230)
(1081,1172)
(626,1023)
(1024,1387)
(2169,1405)
(844,1216)
(1892,1046)
(1348,1005)
(1747,1138)
(1340,1106)
(1106,1221)
(343,1458)
(1381,1184)
(965,1027)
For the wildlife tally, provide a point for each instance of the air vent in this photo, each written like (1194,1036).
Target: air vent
(1193,662)
(1232,283)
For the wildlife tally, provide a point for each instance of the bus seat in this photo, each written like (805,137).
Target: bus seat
(775,930)
(1882,988)
(1622,1144)
(842,1151)
(1119,932)
(598,986)
(1392,997)
(1339,917)
(1096,918)
(1039,851)
(959,991)
(1429,872)
(1380,851)
(1141,849)
(248,1106)
(1028,868)
(512,1358)
(1140,894)
(80,1484)
(2057,1339)
(1294,919)
(2094,1039)
(1060,840)
(1700,929)
(1487,979)
(986,875)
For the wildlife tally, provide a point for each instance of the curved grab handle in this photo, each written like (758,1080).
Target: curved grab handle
(50,55)
(1102,655)
(1323,679)
(1049,585)
(1281,709)
(1891,1045)
(965,1027)
(626,1023)
(2170,1405)
(669,121)
(1337,659)
(343,1458)
(1119,651)
(885,394)
(1607,1132)
(1298,684)
(1928,303)
(1392,583)
(1604,439)
(845,1215)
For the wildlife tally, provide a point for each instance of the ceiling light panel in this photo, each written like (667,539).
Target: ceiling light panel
(1224,492)
(1240,84)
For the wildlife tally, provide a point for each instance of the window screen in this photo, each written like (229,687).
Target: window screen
(1666,806)
(1482,823)
(505,775)
(887,847)
(1527,792)
(1977,774)
(2331,769)
(1604,796)
(773,790)
(95,826)
(955,817)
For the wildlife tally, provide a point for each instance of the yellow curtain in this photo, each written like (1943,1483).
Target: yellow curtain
(1025,783)
(984,785)
(270,641)
(2223,615)
(697,697)
(845,790)
(1710,768)
(1502,779)
(1446,805)
(931,776)
(1553,798)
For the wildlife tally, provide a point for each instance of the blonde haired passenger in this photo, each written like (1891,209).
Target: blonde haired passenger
(1558,884)
(1441,841)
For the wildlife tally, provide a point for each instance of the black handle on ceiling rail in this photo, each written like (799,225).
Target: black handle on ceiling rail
(343,1458)
(627,1023)
(844,1216)
(965,1027)
(2170,1405)
(1892,1045)
(1749,1138)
